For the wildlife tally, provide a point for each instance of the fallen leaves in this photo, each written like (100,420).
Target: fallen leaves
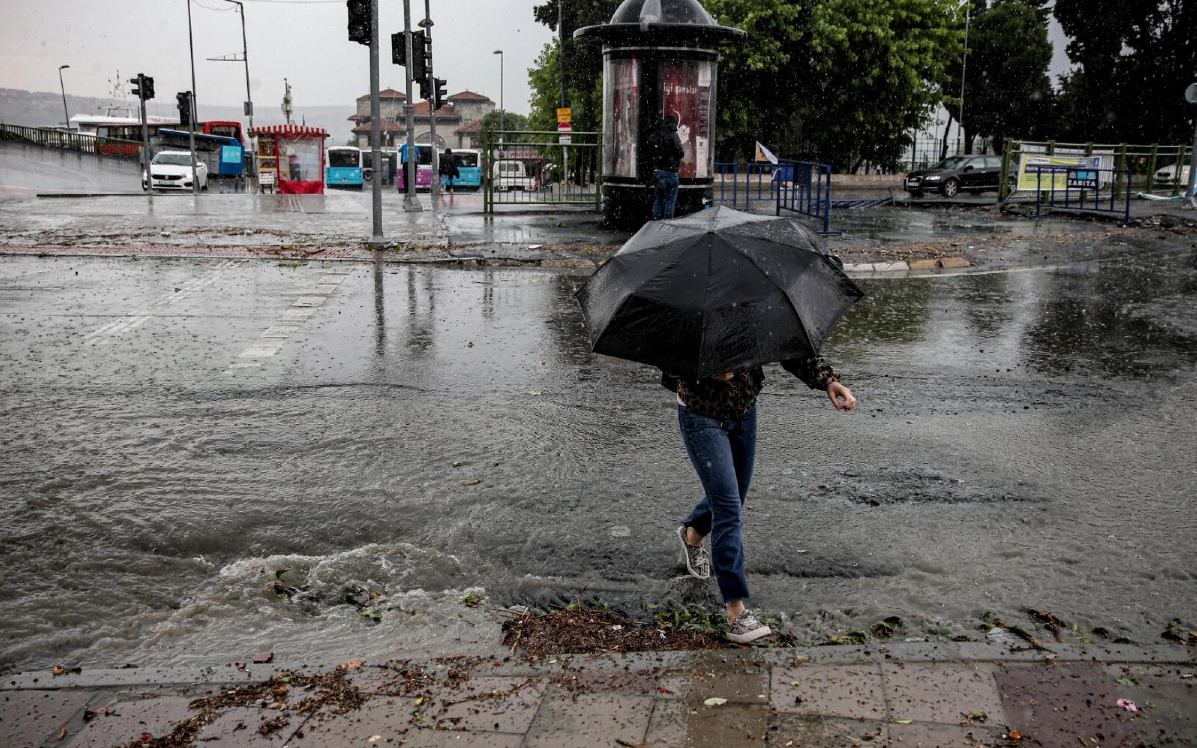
(715,701)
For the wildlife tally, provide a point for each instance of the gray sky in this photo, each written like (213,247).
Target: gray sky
(304,41)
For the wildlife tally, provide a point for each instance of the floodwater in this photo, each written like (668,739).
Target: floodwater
(1022,439)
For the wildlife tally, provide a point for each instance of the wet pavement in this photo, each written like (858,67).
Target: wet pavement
(321,459)
(899,695)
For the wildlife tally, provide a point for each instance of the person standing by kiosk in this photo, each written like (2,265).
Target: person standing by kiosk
(665,149)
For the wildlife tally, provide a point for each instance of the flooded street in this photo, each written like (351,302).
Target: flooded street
(176,432)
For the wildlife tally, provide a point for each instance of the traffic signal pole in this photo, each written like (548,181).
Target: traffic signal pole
(145,139)
(195,185)
(410,202)
(376,236)
(436,156)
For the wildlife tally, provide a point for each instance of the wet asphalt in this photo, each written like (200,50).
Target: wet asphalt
(175,432)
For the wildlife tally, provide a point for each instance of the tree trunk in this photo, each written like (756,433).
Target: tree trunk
(943,151)
(968,142)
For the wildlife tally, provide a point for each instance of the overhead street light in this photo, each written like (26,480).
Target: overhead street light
(502,111)
(66,118)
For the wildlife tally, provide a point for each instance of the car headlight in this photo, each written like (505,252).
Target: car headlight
(932,179)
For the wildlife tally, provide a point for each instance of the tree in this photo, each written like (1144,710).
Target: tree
(583,66)
(1132,61)
(1008,91)
(509,121)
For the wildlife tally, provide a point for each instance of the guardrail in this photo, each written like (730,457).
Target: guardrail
(71,141)
(804,187)
(534,167)
(1083,188)
(739,185)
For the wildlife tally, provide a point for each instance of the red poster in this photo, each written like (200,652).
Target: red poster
(686,95)
(623,126)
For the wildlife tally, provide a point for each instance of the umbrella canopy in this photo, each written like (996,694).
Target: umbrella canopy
(716,291)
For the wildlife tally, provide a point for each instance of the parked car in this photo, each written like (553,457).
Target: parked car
(512,175)
(1167,175)
(955,175)
(171,170)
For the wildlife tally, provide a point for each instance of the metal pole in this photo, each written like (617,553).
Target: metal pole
(195,185)
(561,77)
(435,186)
(502,111)
(249,98)
(963,75)
(66,118)
(1192,168)
(145,139)
(376,236)
(410,202)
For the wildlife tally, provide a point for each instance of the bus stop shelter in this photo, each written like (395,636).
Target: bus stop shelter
(293,155)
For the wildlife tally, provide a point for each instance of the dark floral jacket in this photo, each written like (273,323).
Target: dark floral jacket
(731,400)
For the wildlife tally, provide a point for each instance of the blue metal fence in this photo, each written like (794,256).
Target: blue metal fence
(804,187)
(797,186)
(1083,188)
(740,185)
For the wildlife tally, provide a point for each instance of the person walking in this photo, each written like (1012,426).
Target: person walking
(449,171)
(665,148)
(717,419)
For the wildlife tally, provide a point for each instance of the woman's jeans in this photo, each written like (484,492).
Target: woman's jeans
(723,453)
(665,185)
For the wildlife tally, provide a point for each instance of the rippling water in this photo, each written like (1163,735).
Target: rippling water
(1022,439)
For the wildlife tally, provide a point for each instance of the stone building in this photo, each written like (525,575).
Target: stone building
(458,122)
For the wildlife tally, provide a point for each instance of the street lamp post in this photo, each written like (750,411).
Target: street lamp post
(66,118)
(1191,183)
(195,185)
(963,75)
(502,111)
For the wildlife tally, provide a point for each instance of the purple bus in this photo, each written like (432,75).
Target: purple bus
(423,168)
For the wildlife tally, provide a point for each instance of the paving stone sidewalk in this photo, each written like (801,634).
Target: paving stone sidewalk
(903,694)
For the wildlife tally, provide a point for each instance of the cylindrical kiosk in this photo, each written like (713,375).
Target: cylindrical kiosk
(660,57)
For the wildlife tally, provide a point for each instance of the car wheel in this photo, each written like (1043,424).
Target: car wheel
(951,187)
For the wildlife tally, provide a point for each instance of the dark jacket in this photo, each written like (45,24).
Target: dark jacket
(665,147)
(448,165)
(731,400)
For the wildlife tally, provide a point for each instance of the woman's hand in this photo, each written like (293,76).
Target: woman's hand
(836,391)
(724,377)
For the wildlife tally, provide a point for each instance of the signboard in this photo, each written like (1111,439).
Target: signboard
(564,130)
(565,114)
(1035,172)
(687,96)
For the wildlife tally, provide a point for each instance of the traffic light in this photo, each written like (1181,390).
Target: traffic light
(399,49)
(147,87)
(441,93)
(425,94)
(360,27)
(419,49)
(184,99)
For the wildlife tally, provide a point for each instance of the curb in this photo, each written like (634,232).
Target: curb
(959,652)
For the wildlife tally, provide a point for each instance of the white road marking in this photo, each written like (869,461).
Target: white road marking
(260,352)
(308,301)
(296,315)
(280,331)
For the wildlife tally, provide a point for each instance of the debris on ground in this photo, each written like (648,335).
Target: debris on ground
(540,633)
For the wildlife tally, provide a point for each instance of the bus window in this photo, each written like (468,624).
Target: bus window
(350,159)
(466,160)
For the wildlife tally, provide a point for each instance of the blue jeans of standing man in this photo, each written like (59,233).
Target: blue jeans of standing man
(723,453)
(664,194)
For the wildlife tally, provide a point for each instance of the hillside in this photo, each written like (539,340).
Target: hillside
(41,109)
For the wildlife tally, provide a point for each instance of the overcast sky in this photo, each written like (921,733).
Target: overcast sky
(304,41)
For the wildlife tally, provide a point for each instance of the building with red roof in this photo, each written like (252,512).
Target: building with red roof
(458,122)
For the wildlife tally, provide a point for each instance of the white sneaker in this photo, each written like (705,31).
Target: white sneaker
(746,629)
(698,563)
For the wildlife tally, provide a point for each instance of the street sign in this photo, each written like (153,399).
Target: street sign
(564,130)
(564,114)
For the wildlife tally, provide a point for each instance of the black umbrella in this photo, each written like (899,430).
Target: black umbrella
(716,291)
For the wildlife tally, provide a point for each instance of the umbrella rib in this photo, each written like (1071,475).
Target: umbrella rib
(702,309)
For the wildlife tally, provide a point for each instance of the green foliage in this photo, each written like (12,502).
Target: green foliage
(1008,91)
(510,121)
(1132,63)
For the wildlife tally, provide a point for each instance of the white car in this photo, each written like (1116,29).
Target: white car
(1167,175)
(171,170)
(512,175)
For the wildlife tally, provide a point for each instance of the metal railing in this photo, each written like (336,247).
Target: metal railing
(71,141)
(536,168)
(740,185)
(1149,168)
(804,187)
(1084,188)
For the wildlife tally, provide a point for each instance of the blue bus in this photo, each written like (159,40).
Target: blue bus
(469,169)
(224,156)
(343,167)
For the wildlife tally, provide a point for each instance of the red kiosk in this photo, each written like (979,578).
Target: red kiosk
(291,157)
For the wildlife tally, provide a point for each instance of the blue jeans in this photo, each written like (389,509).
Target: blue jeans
(723,453)
(664,194)
(446,182)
